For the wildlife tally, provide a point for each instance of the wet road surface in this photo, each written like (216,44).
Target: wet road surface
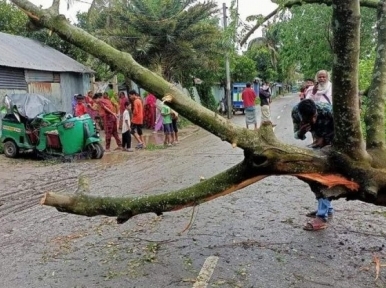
(251,238)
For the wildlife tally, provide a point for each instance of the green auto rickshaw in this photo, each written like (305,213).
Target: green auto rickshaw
(32,123)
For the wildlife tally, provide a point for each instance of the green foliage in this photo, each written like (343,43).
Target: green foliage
(206,96)
(305,39)
(171,37)
(263,64)
(1,148)
(366,67)
(243,69)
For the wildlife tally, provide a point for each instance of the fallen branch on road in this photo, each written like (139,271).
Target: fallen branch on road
(231,180)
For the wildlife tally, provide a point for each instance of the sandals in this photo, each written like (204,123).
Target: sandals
(316,224)
(313,214)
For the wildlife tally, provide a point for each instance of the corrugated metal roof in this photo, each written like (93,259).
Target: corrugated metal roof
(22,52)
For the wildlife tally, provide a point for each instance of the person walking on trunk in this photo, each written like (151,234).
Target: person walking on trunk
(317,118)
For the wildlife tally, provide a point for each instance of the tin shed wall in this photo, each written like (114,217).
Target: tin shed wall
(70,84)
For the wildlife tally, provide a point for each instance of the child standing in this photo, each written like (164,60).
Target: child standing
(174,115)
(167,123)
(80,107)
(126,123)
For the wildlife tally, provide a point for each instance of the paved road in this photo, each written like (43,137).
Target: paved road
(251,238)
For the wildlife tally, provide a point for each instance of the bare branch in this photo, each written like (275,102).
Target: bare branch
(375,114)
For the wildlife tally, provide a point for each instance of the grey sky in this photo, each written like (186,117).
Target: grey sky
(246,7)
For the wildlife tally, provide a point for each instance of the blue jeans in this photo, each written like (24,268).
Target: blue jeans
(324,208)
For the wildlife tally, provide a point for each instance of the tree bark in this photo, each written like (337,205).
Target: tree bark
(346,41)
(290,3)
(375,114)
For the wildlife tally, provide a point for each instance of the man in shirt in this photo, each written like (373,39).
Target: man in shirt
(317,118)
(249,96)
(137,119)
(322,90)
(265,100)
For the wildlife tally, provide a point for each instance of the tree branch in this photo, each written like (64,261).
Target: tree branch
(346,34)
(289,4)
(222,184)
(375,114)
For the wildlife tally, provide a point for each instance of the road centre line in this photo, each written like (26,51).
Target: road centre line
(206,272)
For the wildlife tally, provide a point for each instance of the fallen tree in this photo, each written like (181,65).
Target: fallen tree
(351,169)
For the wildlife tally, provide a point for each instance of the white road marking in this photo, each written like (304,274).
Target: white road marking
(278,117)
(206,272)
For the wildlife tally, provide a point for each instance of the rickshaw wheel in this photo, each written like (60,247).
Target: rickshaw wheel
(96,150)
(10,149)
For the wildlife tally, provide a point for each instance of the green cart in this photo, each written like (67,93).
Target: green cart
(32,123)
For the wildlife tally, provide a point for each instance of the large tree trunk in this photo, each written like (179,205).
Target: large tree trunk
(346,30)
(375,114)
(349,169)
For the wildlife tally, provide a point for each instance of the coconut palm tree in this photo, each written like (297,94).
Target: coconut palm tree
(172,37)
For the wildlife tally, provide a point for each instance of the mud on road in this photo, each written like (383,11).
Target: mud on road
(255,234)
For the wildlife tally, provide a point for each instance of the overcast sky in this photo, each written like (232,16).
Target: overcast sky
(246,7)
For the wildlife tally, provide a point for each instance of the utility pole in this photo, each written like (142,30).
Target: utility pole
(228,95)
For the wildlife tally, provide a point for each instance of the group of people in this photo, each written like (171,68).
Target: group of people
(249,101)
(314,114)
(319,90)
(126,114)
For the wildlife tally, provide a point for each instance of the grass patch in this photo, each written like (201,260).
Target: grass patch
(152,147)
(381,213)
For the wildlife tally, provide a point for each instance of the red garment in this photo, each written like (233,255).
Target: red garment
(149,117)
(122,102)
(80,109)
(137,112)
(106,103)
(249,97)
(151,100)
(111,130)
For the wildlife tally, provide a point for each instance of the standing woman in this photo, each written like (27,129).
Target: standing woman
(150,111)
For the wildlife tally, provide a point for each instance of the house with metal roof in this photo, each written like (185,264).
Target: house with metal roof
(29,66)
